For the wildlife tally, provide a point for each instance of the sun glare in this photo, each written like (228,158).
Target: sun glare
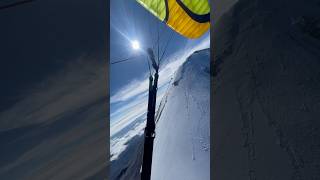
(135,45)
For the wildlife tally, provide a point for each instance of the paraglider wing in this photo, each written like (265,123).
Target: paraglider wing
(190,18)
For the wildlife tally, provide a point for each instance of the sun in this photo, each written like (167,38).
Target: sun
(135,45)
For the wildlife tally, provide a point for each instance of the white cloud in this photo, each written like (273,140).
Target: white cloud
(76,85)
(130,112)
(57,149)
(118,145)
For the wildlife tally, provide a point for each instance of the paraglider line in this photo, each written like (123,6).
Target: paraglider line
(149,67)
(158,32)
(165,48)
(123,60)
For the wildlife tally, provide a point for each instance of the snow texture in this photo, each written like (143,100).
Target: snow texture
(266,101)
(182,142)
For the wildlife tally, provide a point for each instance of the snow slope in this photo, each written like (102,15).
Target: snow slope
(182,142)
(266,101)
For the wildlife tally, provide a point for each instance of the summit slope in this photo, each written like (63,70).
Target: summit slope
(182,142)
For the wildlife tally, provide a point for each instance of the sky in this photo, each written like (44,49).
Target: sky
(37,39)
(130,21)
(53,112)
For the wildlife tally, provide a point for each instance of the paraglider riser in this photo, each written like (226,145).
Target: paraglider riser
(149,133)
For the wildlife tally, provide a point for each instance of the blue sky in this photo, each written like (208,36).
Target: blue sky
(129,80)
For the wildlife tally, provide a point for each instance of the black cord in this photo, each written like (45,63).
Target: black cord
(158,32)
(165,49)
(123,60)
(149,66)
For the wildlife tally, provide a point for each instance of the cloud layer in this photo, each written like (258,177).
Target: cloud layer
(68,114)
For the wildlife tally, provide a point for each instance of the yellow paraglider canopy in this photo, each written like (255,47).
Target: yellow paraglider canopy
(190,18)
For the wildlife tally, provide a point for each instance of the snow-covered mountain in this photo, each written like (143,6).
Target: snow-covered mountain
(266,101)
(182,142)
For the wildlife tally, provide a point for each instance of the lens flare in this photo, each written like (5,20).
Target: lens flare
(135,45)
